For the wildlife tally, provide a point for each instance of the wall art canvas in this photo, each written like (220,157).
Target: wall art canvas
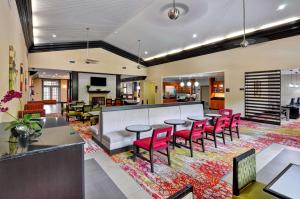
(21,77)
(13,72)
(26,81)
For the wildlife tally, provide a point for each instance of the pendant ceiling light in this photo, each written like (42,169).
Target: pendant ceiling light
(139,55)
(189,83)
(174,12)
(181,84)
(244,43)
(291,85)
(196,84)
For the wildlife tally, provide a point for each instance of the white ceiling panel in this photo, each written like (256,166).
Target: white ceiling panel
(123,22)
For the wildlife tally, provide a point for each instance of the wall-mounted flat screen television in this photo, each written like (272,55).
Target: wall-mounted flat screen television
(98,81)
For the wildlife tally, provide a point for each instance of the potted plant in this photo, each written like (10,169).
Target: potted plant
(22,128)
(88,87)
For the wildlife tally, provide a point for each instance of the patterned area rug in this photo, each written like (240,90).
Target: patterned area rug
(84,131)
(205,170)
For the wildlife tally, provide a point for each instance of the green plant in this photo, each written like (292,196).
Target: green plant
(34,126)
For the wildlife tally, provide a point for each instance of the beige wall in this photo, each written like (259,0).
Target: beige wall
(64,90)
(108,62)
(37,88)
(10,34)
(38,93)
(278,54)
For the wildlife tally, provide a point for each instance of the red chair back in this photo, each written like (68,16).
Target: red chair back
(161,135)
(198,127)
(220,124)
(226,113)
(235,120)
(33,106)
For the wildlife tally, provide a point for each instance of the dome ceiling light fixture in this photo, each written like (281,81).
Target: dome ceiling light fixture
(174,12)
(244,43)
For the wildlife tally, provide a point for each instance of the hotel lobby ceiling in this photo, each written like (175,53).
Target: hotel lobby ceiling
(121,23)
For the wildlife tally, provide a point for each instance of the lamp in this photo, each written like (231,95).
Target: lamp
(189,83)
(196,84)
(244,43)
(173,13)
(181,84)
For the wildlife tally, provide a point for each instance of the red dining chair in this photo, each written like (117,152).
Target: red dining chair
(160,140)
(233,124)
(196,133)
(217,130)
(226,113)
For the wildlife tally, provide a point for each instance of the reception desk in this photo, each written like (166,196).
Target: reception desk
(52,166)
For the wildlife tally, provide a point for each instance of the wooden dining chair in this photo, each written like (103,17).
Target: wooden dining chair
(193,135)
(160,140)
(216,131)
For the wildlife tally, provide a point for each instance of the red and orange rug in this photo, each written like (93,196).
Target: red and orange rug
(205,170)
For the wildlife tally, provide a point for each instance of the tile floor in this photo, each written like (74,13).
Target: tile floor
(124,182)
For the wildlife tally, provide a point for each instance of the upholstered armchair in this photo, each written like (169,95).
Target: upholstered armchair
(244,177)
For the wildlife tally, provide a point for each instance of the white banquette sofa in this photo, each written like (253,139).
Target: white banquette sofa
(113,121)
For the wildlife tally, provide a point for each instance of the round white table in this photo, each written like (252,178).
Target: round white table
(174,123)
(213,116)
(197,118)
(138,129)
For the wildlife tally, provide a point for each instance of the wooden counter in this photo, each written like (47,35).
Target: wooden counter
(50,167)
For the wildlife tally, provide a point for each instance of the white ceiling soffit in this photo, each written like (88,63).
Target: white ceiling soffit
(123,22)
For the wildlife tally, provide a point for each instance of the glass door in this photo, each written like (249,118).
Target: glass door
(51,90)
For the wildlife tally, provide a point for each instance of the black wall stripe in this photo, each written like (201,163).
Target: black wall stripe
(25,15)
(262,100)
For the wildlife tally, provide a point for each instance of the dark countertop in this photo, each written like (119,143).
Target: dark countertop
(56,134)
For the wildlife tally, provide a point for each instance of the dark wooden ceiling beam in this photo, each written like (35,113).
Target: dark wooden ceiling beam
(25,15)
(279,32)
(82,45)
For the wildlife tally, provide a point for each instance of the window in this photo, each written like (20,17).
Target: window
(51,90)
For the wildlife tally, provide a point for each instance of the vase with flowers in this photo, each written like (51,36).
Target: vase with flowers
(21,129)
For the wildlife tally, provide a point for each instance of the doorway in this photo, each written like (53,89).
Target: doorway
(204,93)
(51,90)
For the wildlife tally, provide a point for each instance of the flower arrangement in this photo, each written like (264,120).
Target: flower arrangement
(18,126)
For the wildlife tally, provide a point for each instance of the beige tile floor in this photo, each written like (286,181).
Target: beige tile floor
(130,188)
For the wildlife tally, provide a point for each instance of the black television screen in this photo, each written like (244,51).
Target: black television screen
(98,81)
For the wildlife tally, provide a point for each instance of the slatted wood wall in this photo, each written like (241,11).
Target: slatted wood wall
(263,96)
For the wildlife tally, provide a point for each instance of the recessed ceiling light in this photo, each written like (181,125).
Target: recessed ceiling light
(53,35)
(281,7)
(116,32)
(194,35)
(55,74)
(146,52)
(44,73)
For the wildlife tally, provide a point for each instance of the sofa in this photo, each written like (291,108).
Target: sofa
(43,101)
(36,108)
(111,133)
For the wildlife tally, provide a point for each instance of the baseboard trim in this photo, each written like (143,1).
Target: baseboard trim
(111,152)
